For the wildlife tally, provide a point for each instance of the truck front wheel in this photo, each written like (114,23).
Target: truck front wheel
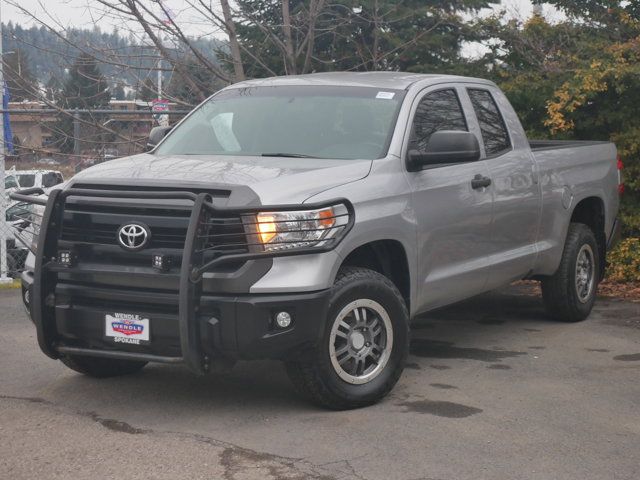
(101,367)
(364,346)
(570,293)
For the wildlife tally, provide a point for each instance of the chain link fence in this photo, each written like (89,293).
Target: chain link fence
(39,159)
(16,253)
(18,229)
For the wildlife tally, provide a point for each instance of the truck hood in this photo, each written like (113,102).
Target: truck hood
(275,180)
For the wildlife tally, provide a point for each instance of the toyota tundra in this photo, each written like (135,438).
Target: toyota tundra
(309,219)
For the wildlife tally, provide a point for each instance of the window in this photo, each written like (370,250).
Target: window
(27,180)
(494,131)
(19,211)
(51,179)
(439,110)
(10,182)
(317,121)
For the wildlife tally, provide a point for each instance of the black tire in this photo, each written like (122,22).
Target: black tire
(559,291)
(12,268)
(314,376)
(101,367)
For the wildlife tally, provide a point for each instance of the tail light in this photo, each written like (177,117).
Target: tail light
(620,182)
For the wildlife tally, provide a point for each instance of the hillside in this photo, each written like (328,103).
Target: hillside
(121,59)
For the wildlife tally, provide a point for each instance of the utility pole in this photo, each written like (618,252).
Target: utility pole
(4,226)
(160,79)
(163,119)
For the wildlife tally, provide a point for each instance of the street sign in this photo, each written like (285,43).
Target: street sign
(159,105)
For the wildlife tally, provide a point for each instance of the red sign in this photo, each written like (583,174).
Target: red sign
(159,105)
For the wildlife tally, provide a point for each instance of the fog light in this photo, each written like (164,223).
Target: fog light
(160,262)
(65,258)
(283,319)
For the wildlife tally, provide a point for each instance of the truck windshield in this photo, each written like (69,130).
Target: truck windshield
(290,121)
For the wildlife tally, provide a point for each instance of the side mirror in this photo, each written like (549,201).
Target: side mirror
(445,147)
(157,134)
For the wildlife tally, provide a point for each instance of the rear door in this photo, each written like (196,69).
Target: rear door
(453,219)
(516,201)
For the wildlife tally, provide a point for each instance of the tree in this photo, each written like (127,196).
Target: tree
(578,79)
(594,10)
(599,100)
(118,92)
(183,92)
(21,82)
(147,90)
(299,36)
(85,88)
(53,89)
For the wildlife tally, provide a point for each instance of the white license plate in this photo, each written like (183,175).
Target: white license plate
(127,328)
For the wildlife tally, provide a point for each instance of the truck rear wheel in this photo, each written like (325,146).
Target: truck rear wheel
(570,293)
(101,367)
(364,346)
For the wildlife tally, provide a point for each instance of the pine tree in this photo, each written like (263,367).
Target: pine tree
(20,80)
(360,35)
(85,87)
(179,89)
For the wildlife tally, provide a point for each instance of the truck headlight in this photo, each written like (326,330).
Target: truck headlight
(301,228)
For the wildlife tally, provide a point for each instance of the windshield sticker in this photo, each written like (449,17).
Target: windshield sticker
(385,95)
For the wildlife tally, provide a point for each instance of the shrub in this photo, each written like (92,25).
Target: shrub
(624,261)
(630,215)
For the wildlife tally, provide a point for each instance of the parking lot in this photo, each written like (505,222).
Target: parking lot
(493,390)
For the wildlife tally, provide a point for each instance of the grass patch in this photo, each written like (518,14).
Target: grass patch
(9,286)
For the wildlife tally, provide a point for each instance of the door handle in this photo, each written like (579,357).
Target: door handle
(480,181)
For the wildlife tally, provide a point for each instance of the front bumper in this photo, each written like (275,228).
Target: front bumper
(231,327)
(187,324)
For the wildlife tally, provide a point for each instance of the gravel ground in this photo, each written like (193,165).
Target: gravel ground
(493,390)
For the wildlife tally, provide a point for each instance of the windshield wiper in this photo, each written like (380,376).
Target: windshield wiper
(288,155)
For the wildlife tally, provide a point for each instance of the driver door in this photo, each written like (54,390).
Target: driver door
(453,218)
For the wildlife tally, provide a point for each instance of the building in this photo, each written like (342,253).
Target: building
(31,131)
(34,133)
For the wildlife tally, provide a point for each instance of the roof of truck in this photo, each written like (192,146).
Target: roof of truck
(391,80)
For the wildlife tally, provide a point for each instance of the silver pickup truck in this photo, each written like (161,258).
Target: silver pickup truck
(309,219)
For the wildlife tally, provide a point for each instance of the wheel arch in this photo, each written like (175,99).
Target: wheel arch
(387,257)
(591,212)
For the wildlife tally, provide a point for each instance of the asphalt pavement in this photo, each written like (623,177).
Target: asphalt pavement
(493,390)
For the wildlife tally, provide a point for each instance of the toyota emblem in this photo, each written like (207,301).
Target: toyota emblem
(133,236)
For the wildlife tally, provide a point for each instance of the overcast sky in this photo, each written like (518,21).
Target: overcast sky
(76,13)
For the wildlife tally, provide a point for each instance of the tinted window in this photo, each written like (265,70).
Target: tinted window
(26,181)
(51,179)
(10,182)
(494,132)
(19,211)
(439,110)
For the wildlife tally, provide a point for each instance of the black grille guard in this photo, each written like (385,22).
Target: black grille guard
(42,303)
